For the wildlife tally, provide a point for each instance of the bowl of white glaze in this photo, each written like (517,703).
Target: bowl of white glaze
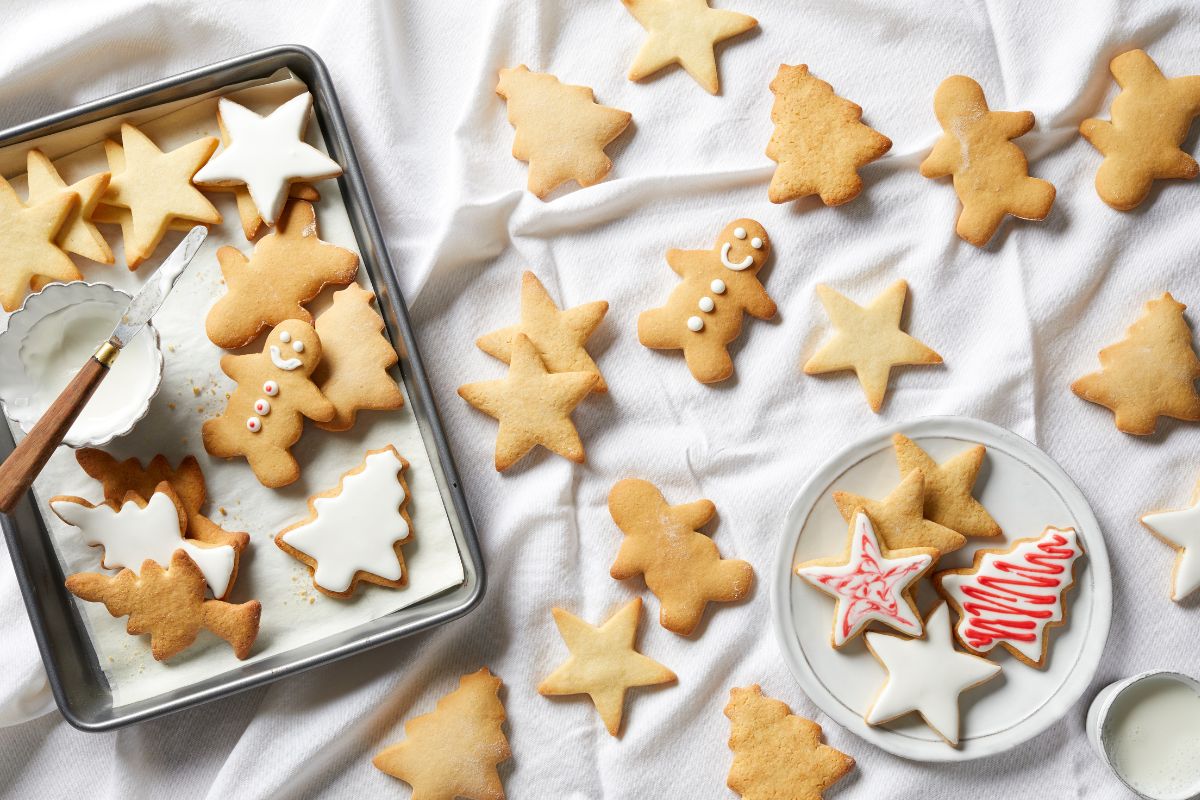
(52,336)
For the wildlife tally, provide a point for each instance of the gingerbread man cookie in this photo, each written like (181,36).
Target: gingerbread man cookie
(704,313)
(991,174)
(265,413)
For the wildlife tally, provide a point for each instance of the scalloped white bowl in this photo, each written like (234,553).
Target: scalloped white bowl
(24,400)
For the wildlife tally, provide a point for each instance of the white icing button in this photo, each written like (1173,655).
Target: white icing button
(717,286)
(270,388)
(756,243)
(739,233)
(254,424)
(695,324)
(262,407)
(298,346)
(285,337)
(706,304)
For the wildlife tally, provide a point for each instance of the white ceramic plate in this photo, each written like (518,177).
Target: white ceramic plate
(1025,491)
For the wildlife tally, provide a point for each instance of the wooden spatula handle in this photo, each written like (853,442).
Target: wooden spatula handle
(26,461)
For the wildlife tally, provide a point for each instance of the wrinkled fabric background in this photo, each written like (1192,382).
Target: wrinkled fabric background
(1015,323)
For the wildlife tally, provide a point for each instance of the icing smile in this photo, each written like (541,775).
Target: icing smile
(288,364)
(739,266)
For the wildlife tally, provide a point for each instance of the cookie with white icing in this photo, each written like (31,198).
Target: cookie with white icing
(1181,530)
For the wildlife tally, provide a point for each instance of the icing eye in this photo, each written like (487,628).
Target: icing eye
(756,243)
(717,286)
(298,346)
(254,424)
(706,304)
(262,407)
(270,388)
(695,324)
(285,337)
(739,233)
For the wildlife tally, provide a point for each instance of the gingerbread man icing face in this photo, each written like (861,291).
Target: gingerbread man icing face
(292,346)
(744,246)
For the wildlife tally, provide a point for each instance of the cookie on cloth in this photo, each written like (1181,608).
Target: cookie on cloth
(991,174)
(28,243)
(560,129)
(684,32)
(78,235)
(819,142)
(899,518)
(1181,530)
(948,498)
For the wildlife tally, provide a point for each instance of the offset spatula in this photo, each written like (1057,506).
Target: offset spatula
(26,461)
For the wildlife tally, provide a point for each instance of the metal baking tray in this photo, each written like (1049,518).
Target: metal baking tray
(78,683)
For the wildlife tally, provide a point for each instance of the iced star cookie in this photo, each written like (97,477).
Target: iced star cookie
(1151,373)
(78,235)
(560,129)
(870,584)
(819,142)
(265,414)
(168,603)
(868,340)
(704,313)
(558,336)
(156,187)
(1181,530)
(680,565)
(532,405)
(266,154)
(140,530)
(899,518)
(991,174)
(926,676)
(453,751)
(604,664)
(28,243)
(684,32)
(776,754)
(948,498)
(1013,597)
(354,532)
(288,268)
(1151,117)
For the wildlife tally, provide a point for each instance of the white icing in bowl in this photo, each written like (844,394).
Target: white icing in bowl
(51,336)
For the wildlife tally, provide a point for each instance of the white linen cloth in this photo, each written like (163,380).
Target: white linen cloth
(1015,322)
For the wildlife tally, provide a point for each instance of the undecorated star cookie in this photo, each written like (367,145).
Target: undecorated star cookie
(558,336)
(453,751)
(704,313)
(1151,117)
(870,584)
(899,518)
(1181,530)
(820,141)
(926,676)
(680,565)
(354,531)
(991,174)
(169,605)
(560,129)
(28,249)
(603,663)
(78,235)
(868,340)
(948,498)
(532,405)
(1151,373)
(776,754)
(684,32)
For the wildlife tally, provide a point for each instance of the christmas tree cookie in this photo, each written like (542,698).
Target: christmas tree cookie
(704,313)
(819,141)
(1151,373)
(684,32)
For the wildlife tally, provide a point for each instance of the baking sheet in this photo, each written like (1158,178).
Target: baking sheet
(194,388)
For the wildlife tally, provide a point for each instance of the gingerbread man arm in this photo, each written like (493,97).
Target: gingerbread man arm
(696,514)
(1013,123)
(757,302)
(240,369)
(1188,87)
(943,158)
(686,262)
(1134,67)
(309,401)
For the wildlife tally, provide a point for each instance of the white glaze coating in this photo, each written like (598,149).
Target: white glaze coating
(253,424)
(706,304)
(285,336)
(298,346)
(1182,530)
(739,232)
(278,360)
(262,406)
(745,263)
(717,286)
(270,388)
(695,324)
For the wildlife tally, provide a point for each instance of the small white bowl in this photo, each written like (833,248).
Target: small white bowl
(51,336)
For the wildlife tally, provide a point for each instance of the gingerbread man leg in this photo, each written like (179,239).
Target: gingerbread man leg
(708,364)
(659,329)
(1034,200)
(220,439)
(274,466)
(978,222)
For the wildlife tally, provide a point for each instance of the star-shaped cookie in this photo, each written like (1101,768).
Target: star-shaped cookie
(1181,530)
(78,235)
(900,519)
(948,499)
(684,32)
(603,663)
(156,187)
(266,154)
(27,248)
(926,676)
(532,406)
(868,340)
(558,336)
